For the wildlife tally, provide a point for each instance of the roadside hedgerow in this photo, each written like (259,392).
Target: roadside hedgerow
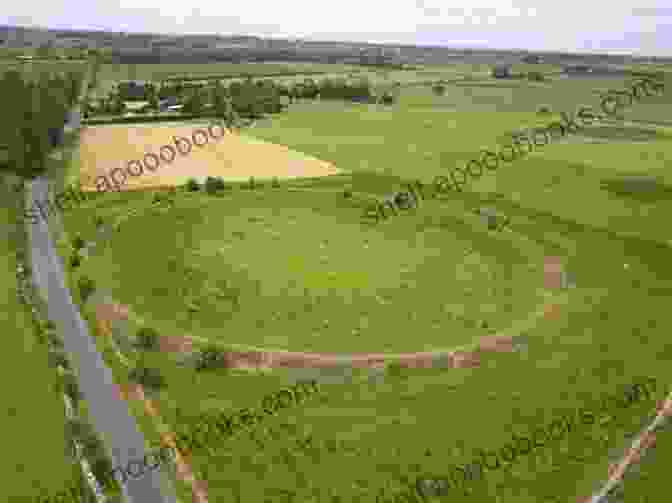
(86,287)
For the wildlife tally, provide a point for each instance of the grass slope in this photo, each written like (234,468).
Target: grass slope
(33,411)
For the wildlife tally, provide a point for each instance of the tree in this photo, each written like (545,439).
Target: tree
(71,388)
(147,339)
(387,98)
(193,185)
(86,287)
(75,260)
(154,103)
(150,378)
(74,86)
(193,104)
(34,131)
(213,184)
(211,357)
(150,91)
(58,359)
(439,89)
(78,243)
(224,107)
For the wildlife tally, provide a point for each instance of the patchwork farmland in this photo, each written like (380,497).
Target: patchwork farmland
(249,264)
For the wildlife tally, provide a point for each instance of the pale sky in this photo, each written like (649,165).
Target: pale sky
(571,25)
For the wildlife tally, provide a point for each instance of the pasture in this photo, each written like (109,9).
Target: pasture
(294,267)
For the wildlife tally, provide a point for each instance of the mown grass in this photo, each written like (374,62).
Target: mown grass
(33,412)
(561,201)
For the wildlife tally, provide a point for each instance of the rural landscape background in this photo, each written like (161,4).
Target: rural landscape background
(252,263)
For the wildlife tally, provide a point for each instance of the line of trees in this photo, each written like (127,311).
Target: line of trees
(34,113)
(248,99)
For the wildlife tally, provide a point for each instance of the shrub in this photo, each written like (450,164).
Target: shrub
(148,377)
(396,369)
(275,183)
(78,243)
(75,260)
(58,358)
(544,109)
(147,339)
(213,184)
(86,287)
(221,185)
(210,358)
(71,388)
(193,185)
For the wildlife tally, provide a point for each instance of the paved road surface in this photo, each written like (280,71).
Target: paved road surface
(109,415)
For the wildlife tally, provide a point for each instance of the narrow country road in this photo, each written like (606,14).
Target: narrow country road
(109,416)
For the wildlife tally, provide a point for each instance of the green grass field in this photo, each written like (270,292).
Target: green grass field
(34,68)
(298,270)
(33,417)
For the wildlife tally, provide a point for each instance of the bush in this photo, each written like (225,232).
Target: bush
(75,260)
(193,185)
(86,287)
(544,109)
(147,339)
(71,388)
(150,378)
(439,89)
(397,370)
(214,184)
(275,183)
(210,358)
(58,358)
(78,243)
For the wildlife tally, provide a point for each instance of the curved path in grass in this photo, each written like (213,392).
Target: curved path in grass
(251,357)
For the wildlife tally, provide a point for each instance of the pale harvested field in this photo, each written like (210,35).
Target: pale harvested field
(234,157)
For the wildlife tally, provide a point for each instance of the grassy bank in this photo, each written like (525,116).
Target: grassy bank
(33,416)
